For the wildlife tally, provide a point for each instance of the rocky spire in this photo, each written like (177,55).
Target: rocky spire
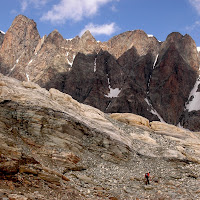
(19,44)
(87,36)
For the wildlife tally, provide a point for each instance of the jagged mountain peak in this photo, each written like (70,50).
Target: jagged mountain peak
(119,44)
(87,36)
(54,37)
(19,41)
(138,34)
(55,31)
(20,17)
(186,47)
(21,21)
(176,37)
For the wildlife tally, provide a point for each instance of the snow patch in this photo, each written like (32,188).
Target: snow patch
(194,104)
(2,32)
(149,81)
(108,105)
(148,84)
(149,35)
(27,76)
(18,59)
(13,68)
(70,63)
(16,62)
(198,49)
(95,64)
(70,39)
(180,126)
(153,111)
(30,62)
(26,69)
(154,64)
(43,38)
(113,92)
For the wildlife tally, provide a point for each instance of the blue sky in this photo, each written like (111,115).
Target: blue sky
(106,18)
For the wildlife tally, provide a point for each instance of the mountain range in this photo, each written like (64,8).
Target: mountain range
(131,73)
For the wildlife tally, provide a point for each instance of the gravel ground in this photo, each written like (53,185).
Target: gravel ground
(170,179)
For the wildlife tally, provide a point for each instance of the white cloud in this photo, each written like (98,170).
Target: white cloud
(105,29)
(36,3)
(193,27)
(196,5)
(73,10)
(113,8)
(24,5)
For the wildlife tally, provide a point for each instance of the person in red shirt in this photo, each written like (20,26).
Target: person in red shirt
(147,177)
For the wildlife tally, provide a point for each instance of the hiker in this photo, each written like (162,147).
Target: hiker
(147,177)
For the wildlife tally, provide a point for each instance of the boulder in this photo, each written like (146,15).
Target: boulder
(16,197)
(160,126)
(9,167)
(130,119)
(49,178)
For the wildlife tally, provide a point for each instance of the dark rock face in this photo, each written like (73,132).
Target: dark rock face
(100,81)
(108,78)
(190,120)
(135,88)
(91,78)
(170,86)
(79,81)
(144,82)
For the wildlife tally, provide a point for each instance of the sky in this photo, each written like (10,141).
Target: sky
(106,18)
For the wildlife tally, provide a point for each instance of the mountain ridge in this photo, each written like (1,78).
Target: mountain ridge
(153,79)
